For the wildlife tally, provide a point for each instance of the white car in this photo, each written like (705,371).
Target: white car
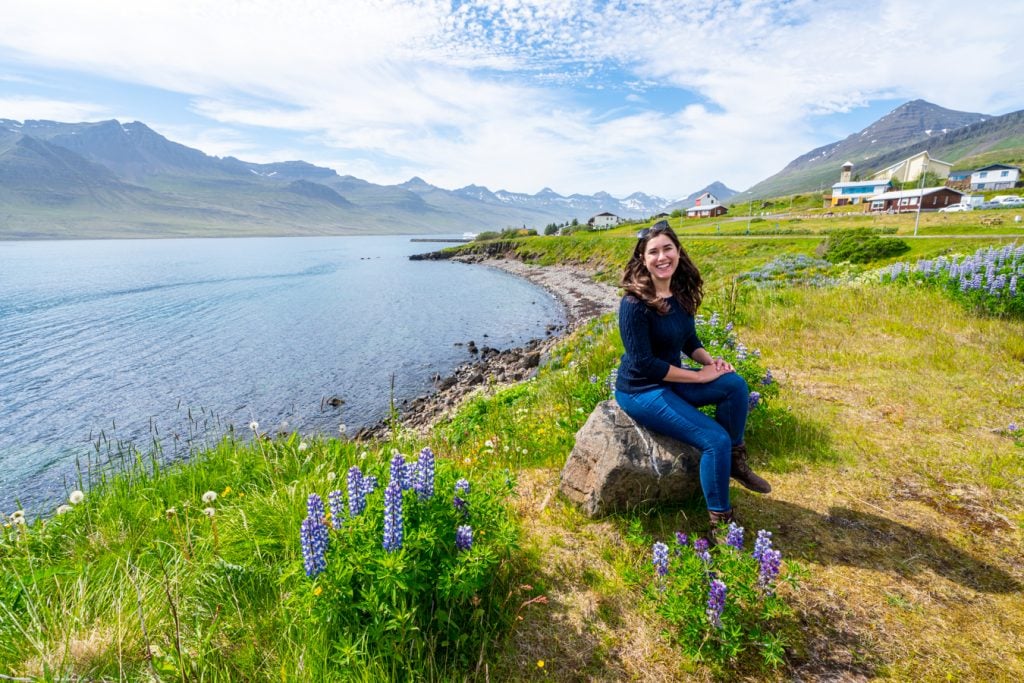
(1012,201)
(956,207)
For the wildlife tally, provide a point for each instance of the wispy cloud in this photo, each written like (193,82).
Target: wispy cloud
(523,94)
(21,108)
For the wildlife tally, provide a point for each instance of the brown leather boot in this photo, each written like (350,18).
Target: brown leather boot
(720,522)
(742,473)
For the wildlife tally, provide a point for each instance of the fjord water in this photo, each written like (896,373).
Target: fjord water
(113,340)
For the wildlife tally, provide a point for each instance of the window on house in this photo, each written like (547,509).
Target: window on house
(1004,174)
(983,174)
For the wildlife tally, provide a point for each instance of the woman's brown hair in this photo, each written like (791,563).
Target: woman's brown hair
(686,284)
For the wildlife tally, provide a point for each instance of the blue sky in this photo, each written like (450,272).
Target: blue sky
(661,97)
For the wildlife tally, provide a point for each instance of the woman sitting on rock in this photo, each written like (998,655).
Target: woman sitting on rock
(656,322)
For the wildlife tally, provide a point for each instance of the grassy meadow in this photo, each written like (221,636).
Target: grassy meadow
(897,503)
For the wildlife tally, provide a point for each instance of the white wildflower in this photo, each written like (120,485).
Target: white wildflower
(331,476)
(170,512)
(209,512)
(303,446)
(76,497)
(254,426)
(342,428)
(63,509)
(209,497)
(488,444)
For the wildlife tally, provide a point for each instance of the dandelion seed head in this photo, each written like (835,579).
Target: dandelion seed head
(254,426)
(209,512)
(303,446)
(63,509)
(76,497)
(209,497)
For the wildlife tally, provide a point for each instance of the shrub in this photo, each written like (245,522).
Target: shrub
(722,602)
(991,280)
(413,577)
(861,245)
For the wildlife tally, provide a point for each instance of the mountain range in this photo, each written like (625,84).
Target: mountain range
(965,139)
(112,179)
(109,179)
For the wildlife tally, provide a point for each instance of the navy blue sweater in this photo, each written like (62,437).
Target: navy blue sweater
(652,342)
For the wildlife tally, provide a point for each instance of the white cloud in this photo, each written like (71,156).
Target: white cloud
(490,92)
(22,108)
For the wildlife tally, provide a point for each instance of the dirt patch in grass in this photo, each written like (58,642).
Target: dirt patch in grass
(591,627)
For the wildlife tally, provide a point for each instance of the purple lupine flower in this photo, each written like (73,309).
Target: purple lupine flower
(393,530)
(700,546)
(1013,427)
(734,536)
(401,471)
(741,351)
(594,379)
(464,537)
(716,602)
(334,500)
(313,535)
(461,505)
(714,319)
(771,562)
(681,538)
(424,484)
(763,544)
(462,486)
(767,379)
(754,399)
(356,492)
(369,484)
(660,561)
(315,507)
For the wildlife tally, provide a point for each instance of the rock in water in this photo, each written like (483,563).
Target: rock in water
(618,465)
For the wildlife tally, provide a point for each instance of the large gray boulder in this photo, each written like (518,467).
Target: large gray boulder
(618,465)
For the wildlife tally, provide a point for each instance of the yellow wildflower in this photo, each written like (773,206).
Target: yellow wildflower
(540,663)
(318,590)
(226,491)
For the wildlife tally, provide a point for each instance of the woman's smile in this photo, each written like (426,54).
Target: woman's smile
(661,257)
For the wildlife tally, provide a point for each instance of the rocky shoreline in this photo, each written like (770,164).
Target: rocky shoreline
(572,286)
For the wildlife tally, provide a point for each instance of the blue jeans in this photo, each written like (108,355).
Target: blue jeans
(672,410)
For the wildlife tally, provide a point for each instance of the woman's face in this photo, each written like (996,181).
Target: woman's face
(661,257)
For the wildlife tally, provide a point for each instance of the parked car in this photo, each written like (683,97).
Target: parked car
(1012,201)
(989,205)
(961,206)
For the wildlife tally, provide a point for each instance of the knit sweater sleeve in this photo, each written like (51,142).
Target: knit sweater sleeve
(692,343)
(635,331)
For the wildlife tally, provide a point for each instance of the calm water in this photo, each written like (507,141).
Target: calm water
(116,338)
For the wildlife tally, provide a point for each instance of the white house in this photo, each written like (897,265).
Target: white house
(604,220)
(705,205)
(995,177)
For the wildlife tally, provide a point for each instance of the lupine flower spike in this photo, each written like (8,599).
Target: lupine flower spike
(393,530)
(424,484)
(464,537)
(356,492)
(335,501)
(734,537)
(700,546)
(716,602)
(660,559)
